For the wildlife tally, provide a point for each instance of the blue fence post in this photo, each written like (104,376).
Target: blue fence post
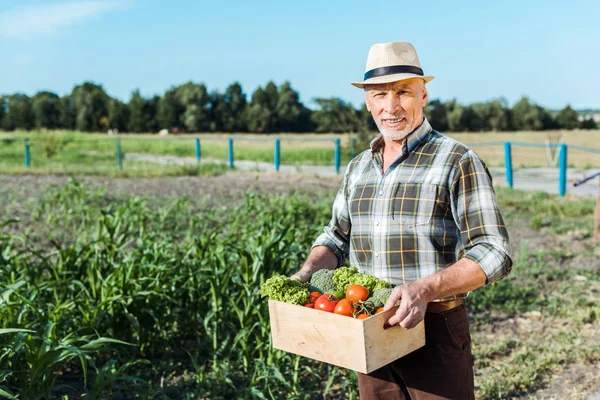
(27,154)
(277,154)
(119,155)
(230,152)
(197,151)
(337,155)
(562,162)
(508,164)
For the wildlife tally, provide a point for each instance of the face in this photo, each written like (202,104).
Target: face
(397,107)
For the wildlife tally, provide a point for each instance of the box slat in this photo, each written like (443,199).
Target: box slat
(317,334)
(359,345)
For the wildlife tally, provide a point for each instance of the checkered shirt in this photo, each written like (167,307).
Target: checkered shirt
(434,205)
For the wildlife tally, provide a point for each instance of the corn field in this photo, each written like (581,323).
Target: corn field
(127,300)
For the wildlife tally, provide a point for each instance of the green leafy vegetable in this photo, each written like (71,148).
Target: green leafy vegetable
(281,288)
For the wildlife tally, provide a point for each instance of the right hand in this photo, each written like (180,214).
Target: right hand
(302,276)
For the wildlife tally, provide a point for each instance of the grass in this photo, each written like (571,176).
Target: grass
(80,149)
(104,296)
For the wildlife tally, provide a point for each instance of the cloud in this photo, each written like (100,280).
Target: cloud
(32,21)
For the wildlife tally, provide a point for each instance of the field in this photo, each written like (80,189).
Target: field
(95,154)
(148,288)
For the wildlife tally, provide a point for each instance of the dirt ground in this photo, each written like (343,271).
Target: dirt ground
(575,382)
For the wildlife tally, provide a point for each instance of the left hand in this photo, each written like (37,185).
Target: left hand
(413,304)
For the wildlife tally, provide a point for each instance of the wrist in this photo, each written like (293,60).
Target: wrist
(427,289)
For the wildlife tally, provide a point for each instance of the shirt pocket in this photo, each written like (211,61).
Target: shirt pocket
(412,204)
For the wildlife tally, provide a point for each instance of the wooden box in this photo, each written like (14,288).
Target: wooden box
(359,345)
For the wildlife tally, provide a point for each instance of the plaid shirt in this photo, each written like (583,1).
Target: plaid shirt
(434,205)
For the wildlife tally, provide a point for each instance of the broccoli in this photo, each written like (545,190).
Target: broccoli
(380,297)
(342,277)
(322,281)
(282,288)
(370,282)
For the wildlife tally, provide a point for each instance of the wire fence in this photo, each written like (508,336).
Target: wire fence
(561,148)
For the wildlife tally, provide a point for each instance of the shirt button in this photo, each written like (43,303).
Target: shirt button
(376,253)
(377,223)
(381,192)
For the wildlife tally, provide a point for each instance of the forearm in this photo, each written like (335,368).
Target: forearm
(461,277)
(320,257)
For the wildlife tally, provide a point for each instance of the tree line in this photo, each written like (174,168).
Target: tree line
(190,107)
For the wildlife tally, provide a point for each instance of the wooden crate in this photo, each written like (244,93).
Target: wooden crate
(359,345)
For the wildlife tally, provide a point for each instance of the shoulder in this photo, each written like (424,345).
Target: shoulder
(442,143)
(359,162)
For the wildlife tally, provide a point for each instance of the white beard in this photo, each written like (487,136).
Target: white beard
(393,134)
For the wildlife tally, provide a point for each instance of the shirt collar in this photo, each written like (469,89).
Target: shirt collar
(414,139)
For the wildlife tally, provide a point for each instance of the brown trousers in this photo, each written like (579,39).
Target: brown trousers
(442,369)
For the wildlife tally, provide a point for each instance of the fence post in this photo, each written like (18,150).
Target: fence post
(119,155)
(353,148)
(197,151)
(337,155)
(277,154)
(508,164)
(562,161)
(230,152)
(27,154)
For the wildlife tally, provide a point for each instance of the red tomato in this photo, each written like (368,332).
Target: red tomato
(362,316)
(326,302)
(344,307)
(313,297)
(379,310)
(356,293)
(309,305)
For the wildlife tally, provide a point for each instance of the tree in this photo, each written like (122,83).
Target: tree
(19,114)
(195,102)
(91,106)
(288,109)
(234,117)
(2,109)
(169,111)
(262,116)
(151,113)
(455,118)
(588,123)
(46,110)
(436,114)
(528,116)
(567,118)
(66,116)
(499,115)
(118,115)
(475,117)
(337,116)
(137,117)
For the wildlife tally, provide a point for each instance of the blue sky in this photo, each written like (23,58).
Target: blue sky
(477,50)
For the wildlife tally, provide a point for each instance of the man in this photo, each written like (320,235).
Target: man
(417,209)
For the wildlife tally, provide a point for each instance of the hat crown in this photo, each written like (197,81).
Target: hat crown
(390,54)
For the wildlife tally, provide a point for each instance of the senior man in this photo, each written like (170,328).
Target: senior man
(417,209)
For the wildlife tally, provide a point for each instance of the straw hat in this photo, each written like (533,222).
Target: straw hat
(392,62)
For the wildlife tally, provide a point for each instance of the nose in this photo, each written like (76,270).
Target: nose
(392,102)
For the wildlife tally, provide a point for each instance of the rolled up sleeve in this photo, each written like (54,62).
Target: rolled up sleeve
(336,235)
(477,215)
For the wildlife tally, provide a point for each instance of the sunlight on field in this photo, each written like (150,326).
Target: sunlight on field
(296,149)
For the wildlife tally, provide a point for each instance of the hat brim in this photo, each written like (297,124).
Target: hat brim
(389,79)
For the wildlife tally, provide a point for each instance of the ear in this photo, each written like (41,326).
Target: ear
(425,95)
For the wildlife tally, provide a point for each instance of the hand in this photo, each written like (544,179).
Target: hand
(302,276)
(413,305)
